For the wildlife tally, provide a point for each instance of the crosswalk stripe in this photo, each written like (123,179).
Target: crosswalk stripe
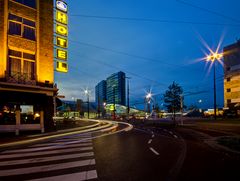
(66,150)
(78,137)
(45,168)
(45,148)
(69,141)
(64,140)
(80,176)
(45,159)
(54,143)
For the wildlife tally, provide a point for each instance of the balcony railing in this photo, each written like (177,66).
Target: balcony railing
(21,78)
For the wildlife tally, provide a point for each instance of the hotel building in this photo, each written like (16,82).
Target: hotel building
(26,65)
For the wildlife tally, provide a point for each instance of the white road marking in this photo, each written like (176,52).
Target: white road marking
(46,148)
(175,136)
(87,175)
(154,151)
(150,141)
(65,140)
(60,143)
(66,150)
(73,138)
(52,167)
(170,132)
(153,136)
(46,159)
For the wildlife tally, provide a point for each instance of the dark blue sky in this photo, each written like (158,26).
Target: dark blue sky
(152,53)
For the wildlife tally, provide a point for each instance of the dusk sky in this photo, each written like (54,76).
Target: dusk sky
(155,42)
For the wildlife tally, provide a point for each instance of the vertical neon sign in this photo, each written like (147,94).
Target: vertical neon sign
(61,39)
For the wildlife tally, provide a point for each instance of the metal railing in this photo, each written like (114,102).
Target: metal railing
(21,78)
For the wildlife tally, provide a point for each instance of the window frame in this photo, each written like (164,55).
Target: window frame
(22,27)
(22,3)
(22,59)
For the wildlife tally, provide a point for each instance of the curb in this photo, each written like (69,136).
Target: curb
(214,144)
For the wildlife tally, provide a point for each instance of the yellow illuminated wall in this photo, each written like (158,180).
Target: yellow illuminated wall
(2,39)
(42,47)
(45,64)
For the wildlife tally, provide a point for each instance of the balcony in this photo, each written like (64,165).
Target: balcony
(20,78)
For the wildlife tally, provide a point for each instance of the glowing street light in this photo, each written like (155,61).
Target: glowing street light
(213,57)
(148,100)
(148,96)
(87,92)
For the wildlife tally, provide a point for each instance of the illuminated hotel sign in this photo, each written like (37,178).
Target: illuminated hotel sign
(61,40)
(61,6)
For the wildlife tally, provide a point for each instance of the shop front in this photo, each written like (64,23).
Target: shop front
(21,111)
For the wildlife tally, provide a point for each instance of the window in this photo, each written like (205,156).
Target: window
(228,101)
(22,27)
(21,64)
(29,3)
(228,79)
(228,90)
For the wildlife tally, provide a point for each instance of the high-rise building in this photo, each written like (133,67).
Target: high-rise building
(232,75)
(101,93)
(26,63)
(116,88)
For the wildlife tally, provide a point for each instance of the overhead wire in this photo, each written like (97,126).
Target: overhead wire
(135,56)
(153,20)
(208,10)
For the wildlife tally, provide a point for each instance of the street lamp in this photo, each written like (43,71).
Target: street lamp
(114,103)
(128,106)
(148,99)
(86,92)
(213,57)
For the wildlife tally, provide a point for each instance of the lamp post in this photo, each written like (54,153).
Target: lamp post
(114,108)
(213,57)
(128,105)
(87,94)
(148,99)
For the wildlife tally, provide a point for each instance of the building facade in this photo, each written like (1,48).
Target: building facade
(101,94)
(26,63)
(116,88)
(232,76)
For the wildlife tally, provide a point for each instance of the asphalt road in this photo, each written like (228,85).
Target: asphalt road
(144,153)
(170,155)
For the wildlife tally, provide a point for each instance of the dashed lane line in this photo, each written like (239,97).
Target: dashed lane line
(154,151)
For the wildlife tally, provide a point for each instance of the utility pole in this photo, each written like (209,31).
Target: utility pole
(181,101)
(114,109)
(128,104)
(98,105)
(214,81)
(88,105)
(87,94)
(213,57)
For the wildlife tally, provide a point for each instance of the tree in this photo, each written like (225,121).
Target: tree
(173,98)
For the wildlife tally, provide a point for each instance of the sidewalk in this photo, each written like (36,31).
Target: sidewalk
(6,138)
